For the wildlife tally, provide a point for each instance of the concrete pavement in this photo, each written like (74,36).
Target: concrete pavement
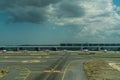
(74,71)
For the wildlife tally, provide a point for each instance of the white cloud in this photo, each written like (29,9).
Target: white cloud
(100,17)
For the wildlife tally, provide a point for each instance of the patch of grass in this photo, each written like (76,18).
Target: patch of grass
(3,73)
(100,70)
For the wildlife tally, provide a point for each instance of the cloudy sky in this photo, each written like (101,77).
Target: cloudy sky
(59,21)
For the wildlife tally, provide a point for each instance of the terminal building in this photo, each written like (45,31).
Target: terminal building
(65,46)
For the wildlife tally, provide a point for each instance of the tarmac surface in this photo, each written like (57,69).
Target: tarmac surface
(61,66)
(25,67)
(75,71)
(32,67)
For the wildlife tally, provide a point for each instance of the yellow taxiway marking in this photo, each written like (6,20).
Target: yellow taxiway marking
(52,70)
(27,73)
(64,73)
(22,69)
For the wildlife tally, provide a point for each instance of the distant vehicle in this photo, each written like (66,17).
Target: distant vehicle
(105,50)
(4,51)
(86,50)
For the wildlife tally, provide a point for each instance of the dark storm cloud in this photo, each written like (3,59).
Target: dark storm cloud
(27,14)
(36,11)
(26,10)
(38,3)
(70,9)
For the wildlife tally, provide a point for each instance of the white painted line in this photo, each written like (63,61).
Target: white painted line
(47,71)
(9,61)
(57,71)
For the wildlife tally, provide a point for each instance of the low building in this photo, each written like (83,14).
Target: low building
(65,46)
